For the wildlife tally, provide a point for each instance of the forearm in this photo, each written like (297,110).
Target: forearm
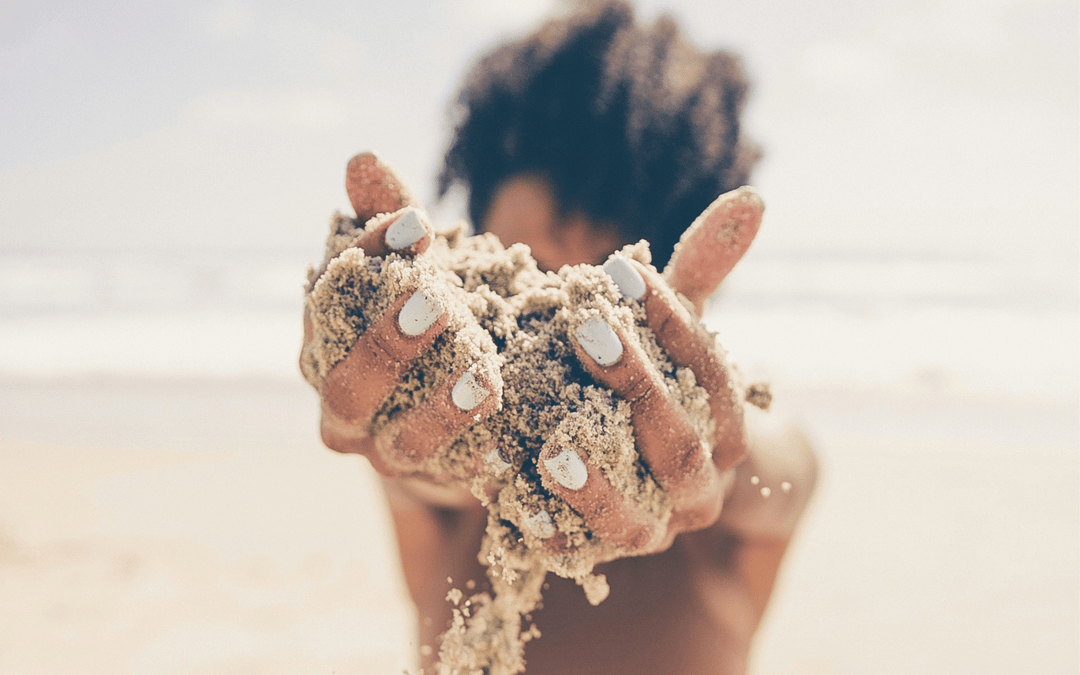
(435,544)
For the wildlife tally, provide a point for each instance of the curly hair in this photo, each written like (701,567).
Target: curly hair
(631,126)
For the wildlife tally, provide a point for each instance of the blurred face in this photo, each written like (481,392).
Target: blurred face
(524,210)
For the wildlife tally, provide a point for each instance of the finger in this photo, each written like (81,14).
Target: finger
(665,439)
(309,335)
(499,461)
(566,471)
(459,402)
(354,389)
(406,232)
(374,188)
(711,246)
(688,345)
(496,464)
(538,524)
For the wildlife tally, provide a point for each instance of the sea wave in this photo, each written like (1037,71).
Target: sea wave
(108,281)
(811,319)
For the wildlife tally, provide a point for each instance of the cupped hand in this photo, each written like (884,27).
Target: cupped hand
(691,465)
(354,389)
(694,470)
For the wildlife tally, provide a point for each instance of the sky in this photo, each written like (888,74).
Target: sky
(905,125)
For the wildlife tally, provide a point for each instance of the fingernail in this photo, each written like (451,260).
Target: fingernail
(540,524)
(419,313)
(568,469)
(599,341)
(405,231)
(625,277)
(468,392)
(496,463)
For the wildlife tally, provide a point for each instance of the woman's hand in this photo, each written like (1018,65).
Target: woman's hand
(354,389)
(693,471)
(693,468)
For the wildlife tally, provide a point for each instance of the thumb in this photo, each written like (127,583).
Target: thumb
(711,246)
(374,188)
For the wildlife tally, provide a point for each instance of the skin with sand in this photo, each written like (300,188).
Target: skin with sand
(551,422)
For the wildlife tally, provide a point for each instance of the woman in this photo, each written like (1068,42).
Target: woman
(591,133)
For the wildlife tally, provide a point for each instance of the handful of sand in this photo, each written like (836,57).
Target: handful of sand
(512,324)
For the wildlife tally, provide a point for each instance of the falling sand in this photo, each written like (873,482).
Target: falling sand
(511,325)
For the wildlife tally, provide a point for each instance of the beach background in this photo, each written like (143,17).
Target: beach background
(167,171)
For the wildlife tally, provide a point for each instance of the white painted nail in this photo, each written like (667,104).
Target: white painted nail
(419,313)
(540,525)
(406,230)
(625,277)
(599,341)
(495,462)
(765,492)
(785,486)
(468,392)
(568,469)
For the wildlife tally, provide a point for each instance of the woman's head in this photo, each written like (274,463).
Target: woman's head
(631,128)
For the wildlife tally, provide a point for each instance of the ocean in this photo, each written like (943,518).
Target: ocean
(859,317)
(960,329)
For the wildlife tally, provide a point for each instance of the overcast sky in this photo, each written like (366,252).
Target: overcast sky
(902,124)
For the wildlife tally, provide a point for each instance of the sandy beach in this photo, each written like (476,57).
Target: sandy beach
(166,175)
(190,527)
(198,526)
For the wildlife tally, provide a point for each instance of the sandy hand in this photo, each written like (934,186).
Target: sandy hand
(691,468)
(618,420)
(377,310)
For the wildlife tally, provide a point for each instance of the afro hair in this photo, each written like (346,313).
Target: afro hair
(632,126)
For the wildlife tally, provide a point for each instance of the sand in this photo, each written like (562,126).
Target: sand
(511,323)
(197,526)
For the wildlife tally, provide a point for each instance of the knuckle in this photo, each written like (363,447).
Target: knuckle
(683,471)
(663,317)
(340,405)
(729,448)
(700,515)
(691,454)
(698,502)
(639,387)
(642,536)
(352,441)
(384,345)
